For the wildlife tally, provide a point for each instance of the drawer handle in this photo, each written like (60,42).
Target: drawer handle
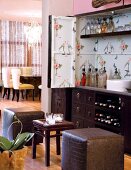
(77,124)
(122,104)
(89,99)
(78,95)
(89,113)
(77,109)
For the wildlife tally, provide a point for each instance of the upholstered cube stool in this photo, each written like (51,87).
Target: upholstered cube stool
(25,115)
(92,149)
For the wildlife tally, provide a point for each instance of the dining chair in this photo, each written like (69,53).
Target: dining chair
(40,88)
(17,86)
(7,81)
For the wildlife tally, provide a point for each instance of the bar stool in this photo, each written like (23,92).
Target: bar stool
(92,149)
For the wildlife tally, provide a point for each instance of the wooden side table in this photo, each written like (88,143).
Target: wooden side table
(42,128)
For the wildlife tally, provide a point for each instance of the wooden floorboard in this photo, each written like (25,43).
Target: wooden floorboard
(39,162)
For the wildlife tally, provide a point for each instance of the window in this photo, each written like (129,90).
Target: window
(15,48)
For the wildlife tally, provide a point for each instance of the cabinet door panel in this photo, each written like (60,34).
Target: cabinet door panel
(61,102)
(60,92)
(61,69)
(58,105)
(89,124)
(85,6)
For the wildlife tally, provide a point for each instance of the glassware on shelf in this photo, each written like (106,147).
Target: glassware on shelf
(95,25)
(111,25)
(83,78)
(119,29)
(102,78)
(104,26)
(127,27)
(116,74)
(88,28)
(88,77)
(92,27)
(98,28)
(93,78)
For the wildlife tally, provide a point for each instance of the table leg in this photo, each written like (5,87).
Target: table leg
(34,139)
(58,142)
(47,147)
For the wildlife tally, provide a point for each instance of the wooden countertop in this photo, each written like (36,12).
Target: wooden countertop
(104,90)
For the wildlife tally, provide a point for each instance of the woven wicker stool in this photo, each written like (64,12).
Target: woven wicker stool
(92,149)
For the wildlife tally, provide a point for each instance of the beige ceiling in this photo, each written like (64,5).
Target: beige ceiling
(21,9)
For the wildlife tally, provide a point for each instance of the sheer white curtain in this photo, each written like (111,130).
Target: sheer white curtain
(15,49)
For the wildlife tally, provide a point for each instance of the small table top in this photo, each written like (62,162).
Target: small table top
(43,128)
(58,125)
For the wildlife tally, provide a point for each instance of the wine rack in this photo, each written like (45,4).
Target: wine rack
(108,112)
(103,109)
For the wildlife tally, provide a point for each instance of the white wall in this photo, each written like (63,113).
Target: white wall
(16,10)
(54,7)
(61,7)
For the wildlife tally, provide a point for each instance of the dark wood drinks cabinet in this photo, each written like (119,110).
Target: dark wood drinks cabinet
(94,107)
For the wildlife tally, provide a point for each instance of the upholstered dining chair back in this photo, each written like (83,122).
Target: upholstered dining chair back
(7,81)
(16,77)
(17,86)
(6,77)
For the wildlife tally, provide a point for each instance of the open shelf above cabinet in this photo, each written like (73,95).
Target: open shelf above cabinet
(106,34)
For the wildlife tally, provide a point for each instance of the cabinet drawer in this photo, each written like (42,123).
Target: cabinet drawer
(90,112)
(78,96)
(89,124)
(79,123)
(90,97)
(78,110)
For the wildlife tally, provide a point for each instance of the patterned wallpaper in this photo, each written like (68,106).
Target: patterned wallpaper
(111,52)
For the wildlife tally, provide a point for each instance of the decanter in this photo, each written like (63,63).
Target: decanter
(111,25)
(104,26)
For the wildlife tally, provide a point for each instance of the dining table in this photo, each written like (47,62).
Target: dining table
(35,80)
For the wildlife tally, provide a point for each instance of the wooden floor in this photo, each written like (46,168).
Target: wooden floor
(39,162)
